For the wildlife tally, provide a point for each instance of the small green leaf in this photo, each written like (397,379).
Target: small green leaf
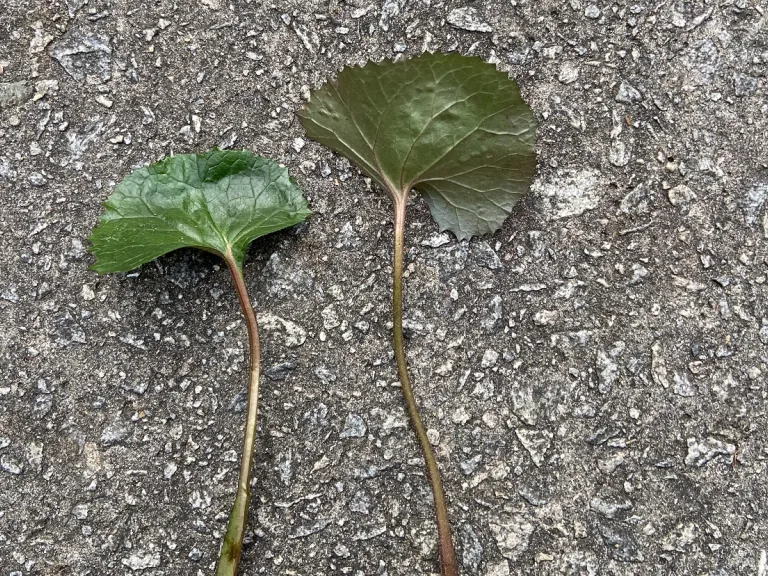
(452,127)
(219,201)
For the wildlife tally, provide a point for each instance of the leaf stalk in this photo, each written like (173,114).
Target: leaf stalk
(447,555)
(232,545)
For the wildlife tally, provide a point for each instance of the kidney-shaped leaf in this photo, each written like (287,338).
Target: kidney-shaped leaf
(219,201)
(452,127)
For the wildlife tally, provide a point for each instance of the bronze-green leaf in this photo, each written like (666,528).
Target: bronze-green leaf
(452,127)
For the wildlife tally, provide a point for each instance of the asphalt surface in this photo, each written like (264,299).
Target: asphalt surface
(593,375)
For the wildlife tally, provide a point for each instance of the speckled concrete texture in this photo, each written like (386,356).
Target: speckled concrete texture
(593,375)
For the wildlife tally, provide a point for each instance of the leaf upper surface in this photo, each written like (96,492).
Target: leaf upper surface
(217,201)
(452,127)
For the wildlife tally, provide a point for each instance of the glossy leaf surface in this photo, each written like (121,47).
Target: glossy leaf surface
(219,201)
(452,127)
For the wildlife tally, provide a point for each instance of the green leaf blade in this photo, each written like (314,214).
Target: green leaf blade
(452,127)
(219,201)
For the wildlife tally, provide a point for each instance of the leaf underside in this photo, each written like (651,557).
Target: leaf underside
(219,201)
(452,127)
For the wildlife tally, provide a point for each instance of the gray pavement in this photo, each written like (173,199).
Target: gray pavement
(593,375)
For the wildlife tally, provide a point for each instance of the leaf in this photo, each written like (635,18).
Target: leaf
(452,127)
(219,201)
